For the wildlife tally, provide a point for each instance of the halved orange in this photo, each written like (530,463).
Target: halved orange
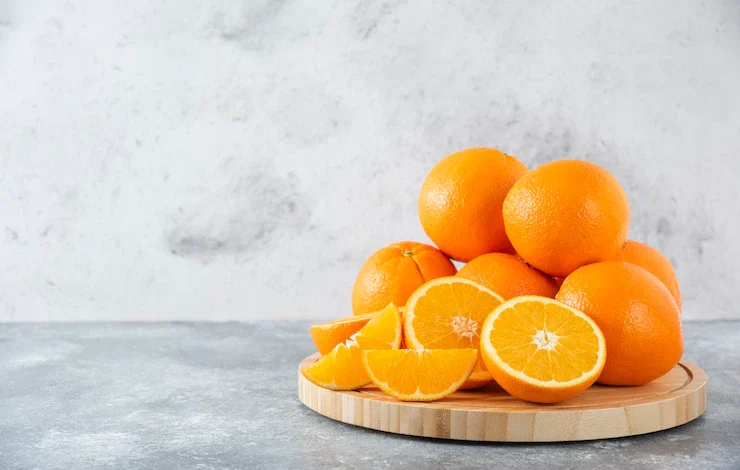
(541,350)
(447,313)
(419,375)
(341,369)
(327,335)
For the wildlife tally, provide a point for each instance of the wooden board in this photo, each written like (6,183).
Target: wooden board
(490,414)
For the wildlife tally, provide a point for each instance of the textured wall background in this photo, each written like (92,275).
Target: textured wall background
(221,159)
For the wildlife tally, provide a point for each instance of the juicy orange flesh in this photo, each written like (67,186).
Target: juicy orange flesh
(567,348)
(480,375)
(480,368)
(342,367)
(421,371)
(381,331)
(327,335)
(447,307)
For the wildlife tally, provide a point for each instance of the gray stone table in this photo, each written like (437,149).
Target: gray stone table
(182,395)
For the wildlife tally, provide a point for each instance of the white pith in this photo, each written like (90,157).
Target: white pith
(464,327)
(545,339)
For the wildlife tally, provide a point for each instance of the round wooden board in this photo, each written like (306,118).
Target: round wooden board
(490,414)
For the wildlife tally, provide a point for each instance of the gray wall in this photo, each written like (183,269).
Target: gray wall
(212,159)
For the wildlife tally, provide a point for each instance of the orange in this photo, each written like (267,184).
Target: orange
(566,214)
(327,335)
(541,350)
(658,265)
(461,198)
(447,313)
(638,315)
(508,276)
(342,369)
(392,273)
(419,375)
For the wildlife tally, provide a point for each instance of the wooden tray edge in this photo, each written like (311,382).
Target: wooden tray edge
(500,425)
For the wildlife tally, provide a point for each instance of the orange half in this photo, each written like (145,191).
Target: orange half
(447,313)
(419,375)
(541,350)
(341,368)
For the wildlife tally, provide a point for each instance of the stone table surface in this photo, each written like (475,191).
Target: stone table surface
(223,395)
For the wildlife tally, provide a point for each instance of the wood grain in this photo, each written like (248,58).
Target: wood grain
(490,414)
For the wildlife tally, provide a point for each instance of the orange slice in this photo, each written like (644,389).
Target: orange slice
(419,375)
(341,368)
(541,350)
(327,335)
(447,313)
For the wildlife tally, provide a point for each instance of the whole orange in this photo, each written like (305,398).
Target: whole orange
(461,198)
(508,276)
(637,314)
(651,259)
(393,273)
(566,214)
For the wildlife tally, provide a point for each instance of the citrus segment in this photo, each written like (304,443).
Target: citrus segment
(327,335)
(480,376)
(384,331)
(341,368)
(541,350)
(419,375)
(447,313)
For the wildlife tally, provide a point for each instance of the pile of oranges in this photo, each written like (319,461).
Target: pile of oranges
(552,298)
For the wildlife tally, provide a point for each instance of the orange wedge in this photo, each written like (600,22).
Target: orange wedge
(419,375)
(541,350)
(341,368)
(327,335)
(447,313)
